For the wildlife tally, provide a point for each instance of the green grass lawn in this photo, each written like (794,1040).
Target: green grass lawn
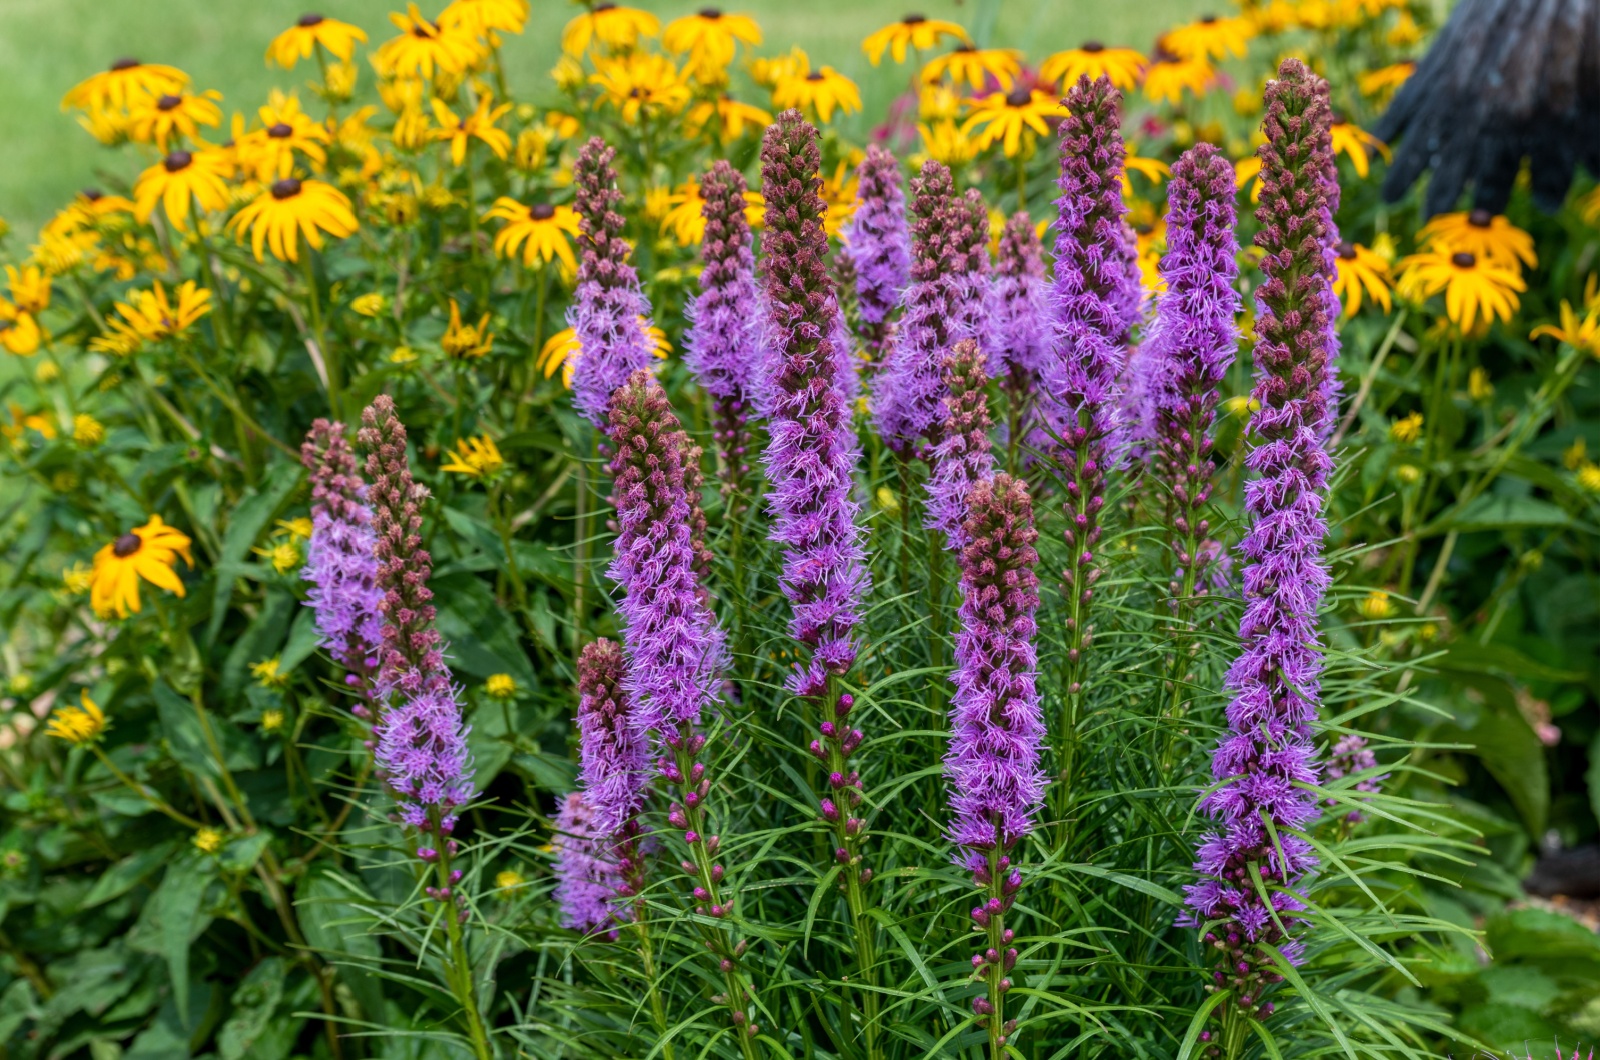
(46,46)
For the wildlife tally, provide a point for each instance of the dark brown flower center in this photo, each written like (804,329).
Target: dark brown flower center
(1019,97)
(168,102)
(606,6)
(1092,46)
(1347,251)
(124,64)
(308,20)
(287,188)
(1480,218)
(541,211)
(1462,259)
(178,160)
(92,194)
(966,48)
(711,13)
(914,20)
(815,75)
(1207,20)
(126,545)
(280,131)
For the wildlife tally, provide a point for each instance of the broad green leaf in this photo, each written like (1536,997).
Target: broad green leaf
(250,1013)
(248,520)
(1514,756)
(335,925)
(303,640)
(259,641)
(1498,512)
(188,743)
(128,873)
(178,903)
(481,636)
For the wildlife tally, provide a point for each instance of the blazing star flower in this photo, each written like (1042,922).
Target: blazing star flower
(587,877)
(962,456)
(609,313)
(1019,314)
(880,246)
(341,563)
(1275,678)
(613,752)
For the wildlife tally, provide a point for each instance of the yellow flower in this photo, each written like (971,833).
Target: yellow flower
(733,117)
(1091,59)
(110,127)
(30,288)
(478,457)
(543,231)
(817,92)
(1473,289)
(1361,270)
(338,82)
(124,84)
(1407,429)
(500,686)
(289,207)
(1151,244)
(480,125)
(913,31)
(1492,237)
(1581,333)
(285,129)
(371,304)
(87,431)
(838,199)
(1004,115)
(888,500)
(178,179)
(641,83)
(19,332)
(78,725)
(1241,405)
(944,141)
(768,72)
(1479,388)
(1352,140)
(1168,76)
(560,350)
(1210,38)
(207,840)
(148,316)
(1573,455)
(283,556)
(1589,477)
(148,552)
(21,421)
(155,120)
(298,528)
(466,341)
(269,673)
(483,17)
(710,38)
(78,578)
(975,66)
(508,880)
(1405,31)
(618,28)
(300,40)
(402,355)
(271,720)
(1380,84)
(1376,606)
(424,47)
(47,372)
(1152,169)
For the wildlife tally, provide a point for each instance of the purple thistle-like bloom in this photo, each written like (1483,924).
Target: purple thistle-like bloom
(587,877)
(880,246)
(944,304)
(963,455)
(1351,755)
(1194,342)
(1019,308)
(722,345)
(812,450)
(614,755)
(609,311)
(340,562)
(422,742)
(1276,676)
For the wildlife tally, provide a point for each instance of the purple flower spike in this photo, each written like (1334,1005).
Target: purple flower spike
(1192,346)
(340,563)
(722,345)
(944,304)
(812,450)
(963,455)
(614,755)
(1277,674)
(1019,314)
(1351,755)
(587,877)
(609,311)
(880,247)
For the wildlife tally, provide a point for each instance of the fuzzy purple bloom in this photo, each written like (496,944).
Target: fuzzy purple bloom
(812,450)
(1019,308)
(614,755)
(587,877)
(1351,755)
(1276,676)
(880,246)
(944,304)
(340,562)
(963,455)
(609,311)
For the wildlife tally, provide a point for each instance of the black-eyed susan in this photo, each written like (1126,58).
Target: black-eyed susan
(109,127)
(81,724)
(296,529)
(1475,291)
(1357,144)
(126,83)
(944,141)
(147,552)
(684,217)
(276,217)
(1152,169)
(179,180)
(1247,171)
(157,119)
(975,66)
(1150,243)
(1579,332)
(286,131)
(1407,430)
(19,332)
(1376,606)
(311,31)
(1210,38)
(1091,59)
(466,342)
(78,578)
(612,25)
(1169,76)
(1361,271)
(425,47)
(818,92)
(475,457)
(1382,83)
(709,38)
(640,84)
(483,17)
(913,31)
(1491,237)
(147,316)
(767,72)
(479,125)
(1003,117)
(728,116)
(29,287)
(839,200)
(560,351)
(542,230)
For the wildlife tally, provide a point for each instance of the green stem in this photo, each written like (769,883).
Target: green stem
(330,358)
(647,965)
(460,972)
(580,553)
(995,971)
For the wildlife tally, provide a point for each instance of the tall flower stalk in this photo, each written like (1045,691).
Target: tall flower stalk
(421,740)
(674,648)
(963,455)
(811,458)
(1247,902)
(996,726)
(1019,324)
(880,248)
(1090,299)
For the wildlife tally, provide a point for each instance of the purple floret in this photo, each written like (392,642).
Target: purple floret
(587,876)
